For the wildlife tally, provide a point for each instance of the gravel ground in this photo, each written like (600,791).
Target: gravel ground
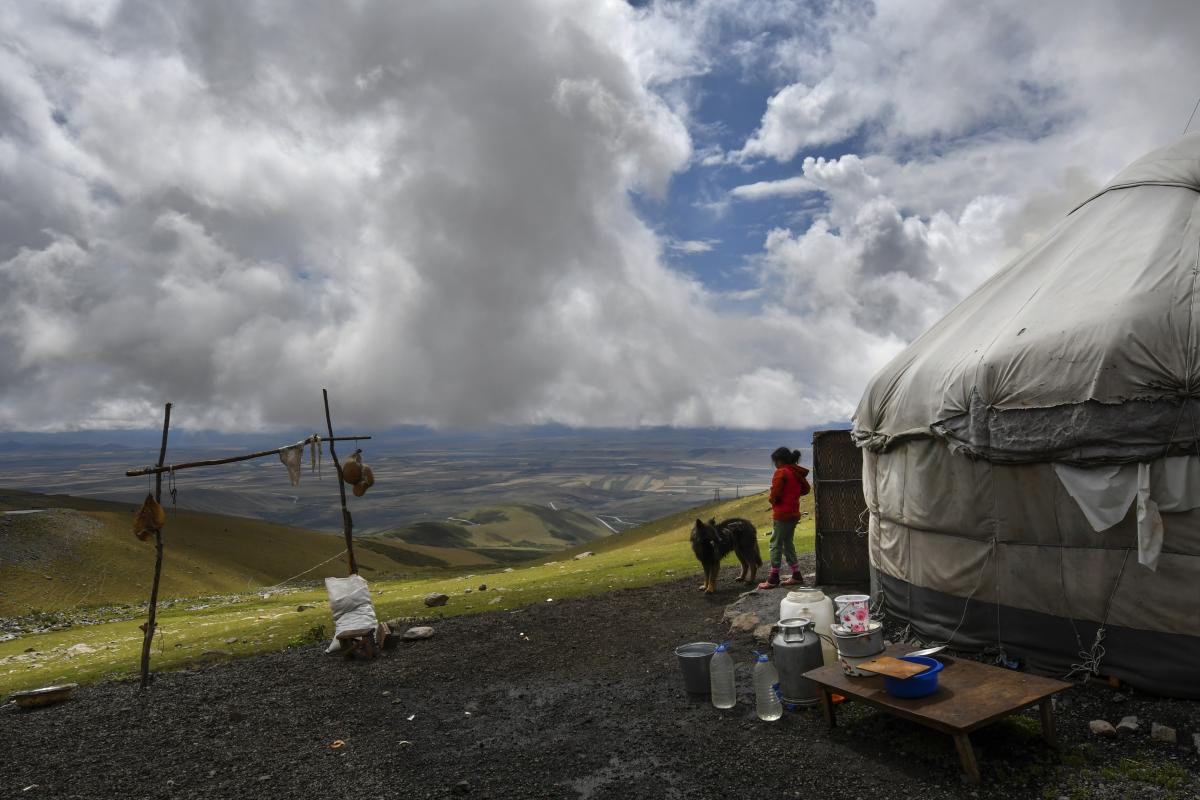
(573,699)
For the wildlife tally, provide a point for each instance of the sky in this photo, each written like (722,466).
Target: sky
(461,214)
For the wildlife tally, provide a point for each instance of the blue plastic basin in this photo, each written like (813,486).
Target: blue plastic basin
(921,685)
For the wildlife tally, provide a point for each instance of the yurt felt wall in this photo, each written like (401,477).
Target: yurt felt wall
(1000,556)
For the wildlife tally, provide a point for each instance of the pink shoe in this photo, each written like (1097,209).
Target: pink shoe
(791,580)
(769,584)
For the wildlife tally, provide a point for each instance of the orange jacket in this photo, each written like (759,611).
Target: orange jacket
(788,485)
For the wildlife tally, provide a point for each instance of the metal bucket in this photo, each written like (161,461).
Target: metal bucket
(693,662)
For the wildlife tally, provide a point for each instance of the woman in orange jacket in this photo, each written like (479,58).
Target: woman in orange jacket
(788,485)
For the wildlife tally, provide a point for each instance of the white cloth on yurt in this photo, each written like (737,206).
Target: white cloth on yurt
(350,602)
(1104,494)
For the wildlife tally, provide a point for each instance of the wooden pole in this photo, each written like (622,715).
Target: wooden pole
(133,473)
(347,522)
(148,640)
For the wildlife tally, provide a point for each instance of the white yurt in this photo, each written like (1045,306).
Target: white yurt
(1032,462)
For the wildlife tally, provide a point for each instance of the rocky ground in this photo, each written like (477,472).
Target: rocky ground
(579,699)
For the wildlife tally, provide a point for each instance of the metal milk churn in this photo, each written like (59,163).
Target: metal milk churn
(797,649)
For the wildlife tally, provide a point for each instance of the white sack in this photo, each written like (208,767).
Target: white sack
(350,602)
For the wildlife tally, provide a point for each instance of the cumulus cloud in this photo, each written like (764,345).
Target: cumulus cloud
(966,136)
(424,208)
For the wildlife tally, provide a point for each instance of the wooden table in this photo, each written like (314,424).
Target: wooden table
(969,696)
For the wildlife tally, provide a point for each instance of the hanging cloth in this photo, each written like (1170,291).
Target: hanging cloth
(1104,494)
(292,457)
(314,454)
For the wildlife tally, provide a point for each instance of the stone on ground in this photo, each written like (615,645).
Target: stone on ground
(419,632)
(1162,733)
(1127,725)
(1102,728)
(436,599)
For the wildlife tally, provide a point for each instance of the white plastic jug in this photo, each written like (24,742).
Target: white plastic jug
(814,605)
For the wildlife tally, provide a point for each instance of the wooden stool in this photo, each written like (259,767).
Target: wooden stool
(359,643)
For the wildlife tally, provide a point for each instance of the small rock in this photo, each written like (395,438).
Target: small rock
(231,640)
(30,650)
(1127,725)
(1162,733)
(1118,697)
(483,587)
(80,649)
(467,590)
(1102,728)
(436,599)
(670,572)
(744,623)
(584,554)
(462,787)
(419,632)
(303,607)
(494,600)
(263,778)
(508,569)
(1196,742)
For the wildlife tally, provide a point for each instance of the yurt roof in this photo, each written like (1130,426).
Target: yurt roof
(1083,349)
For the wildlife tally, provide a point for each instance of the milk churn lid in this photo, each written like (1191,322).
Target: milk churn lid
(796,622)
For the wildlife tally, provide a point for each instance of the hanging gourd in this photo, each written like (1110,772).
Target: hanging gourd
(352,468)
(149,519)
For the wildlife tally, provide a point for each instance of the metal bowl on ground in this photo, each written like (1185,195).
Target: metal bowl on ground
(47,695)
(857,645)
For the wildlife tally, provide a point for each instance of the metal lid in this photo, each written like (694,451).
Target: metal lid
(796,622)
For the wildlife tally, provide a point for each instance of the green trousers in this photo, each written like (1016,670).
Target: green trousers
(782,546)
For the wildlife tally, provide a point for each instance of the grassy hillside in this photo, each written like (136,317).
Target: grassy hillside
(81,552)
(648,554)
(523,526)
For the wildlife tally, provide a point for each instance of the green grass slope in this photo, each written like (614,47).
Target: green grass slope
(80,552)
(652,553)
(523,527)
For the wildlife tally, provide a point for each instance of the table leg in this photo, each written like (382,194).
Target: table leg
(827,708)
(966,755)
(1048,731)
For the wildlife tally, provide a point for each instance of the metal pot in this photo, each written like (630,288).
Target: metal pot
(857,645)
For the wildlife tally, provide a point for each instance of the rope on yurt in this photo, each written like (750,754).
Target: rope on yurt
(1193,116)
(1090,659)
(967,602)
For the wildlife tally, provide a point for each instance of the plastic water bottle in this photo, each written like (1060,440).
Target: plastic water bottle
(720,676)
(766,689)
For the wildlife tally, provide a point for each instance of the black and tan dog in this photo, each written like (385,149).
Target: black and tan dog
(712,540)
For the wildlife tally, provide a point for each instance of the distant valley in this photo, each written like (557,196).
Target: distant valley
(617,478)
